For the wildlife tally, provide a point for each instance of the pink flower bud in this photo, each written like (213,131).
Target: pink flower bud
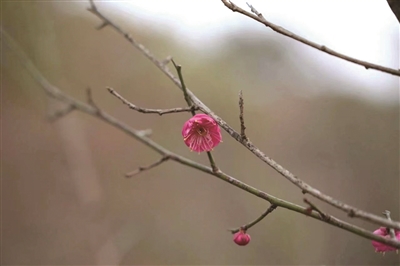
(380,247)
(241,238)
(201,133)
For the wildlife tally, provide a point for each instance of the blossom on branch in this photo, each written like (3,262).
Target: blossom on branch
(383,231)
(201,133)
(241,238)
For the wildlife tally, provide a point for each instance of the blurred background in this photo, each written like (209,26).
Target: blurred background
(65,200)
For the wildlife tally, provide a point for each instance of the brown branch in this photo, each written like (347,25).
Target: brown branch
(148,167)
(150,111)
(256,221)
(306,188)
(139,135)
(260,18)
(241,117)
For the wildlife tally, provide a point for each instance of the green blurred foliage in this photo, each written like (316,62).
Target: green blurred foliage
(64,197)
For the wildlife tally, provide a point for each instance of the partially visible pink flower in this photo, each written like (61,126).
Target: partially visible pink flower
(241,238)
(383,231)
(201,133)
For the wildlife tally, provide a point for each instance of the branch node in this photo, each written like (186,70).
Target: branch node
(60,113)
(102,25)
(90,99)
(312,207)
(145,132)
(166,61)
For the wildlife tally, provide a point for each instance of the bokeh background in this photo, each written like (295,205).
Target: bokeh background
(65,200)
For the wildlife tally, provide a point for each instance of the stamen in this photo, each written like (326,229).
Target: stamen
(201,131)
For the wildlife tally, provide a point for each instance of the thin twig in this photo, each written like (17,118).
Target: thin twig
(148,167)
(56,93)
(323,215)
(241,117)
(260,18)
(90,99)
(256,221)
(184,89)
(306,188)
(148,110)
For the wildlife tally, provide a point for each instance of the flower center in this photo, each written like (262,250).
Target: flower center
(201,131)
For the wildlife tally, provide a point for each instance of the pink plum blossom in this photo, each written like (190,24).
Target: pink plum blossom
(380,247)
(241,238)
(201,133)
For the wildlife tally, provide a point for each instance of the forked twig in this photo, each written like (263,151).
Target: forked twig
(256,221)
(148,167)
(148,110)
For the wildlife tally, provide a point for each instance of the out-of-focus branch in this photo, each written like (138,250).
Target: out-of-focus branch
(395,7)
(60,113)
(391,230)
(140,135)
(150,111)
(306,188)
(257,16)
(256,221)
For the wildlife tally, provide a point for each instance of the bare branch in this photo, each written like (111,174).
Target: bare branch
(306,188)
(150,111)
(260,18)
(183,86)
(56,93)
(241,117)
(148,167)
(256,221)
